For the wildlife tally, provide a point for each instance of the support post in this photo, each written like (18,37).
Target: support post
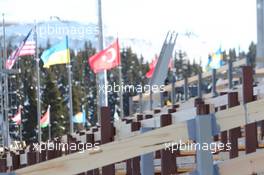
(203,123)
(147,162)
(186,89)
(214,93)
(230,74)
(199,88)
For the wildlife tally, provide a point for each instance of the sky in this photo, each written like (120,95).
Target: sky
(215,23)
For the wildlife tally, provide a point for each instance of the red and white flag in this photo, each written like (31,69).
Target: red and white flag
(17,117)
(16,53)
(45,119)
(106,59)
(28,49)
(153,64)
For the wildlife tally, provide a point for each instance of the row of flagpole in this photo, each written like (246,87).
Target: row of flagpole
(101,76)
(5,105)
(38,89)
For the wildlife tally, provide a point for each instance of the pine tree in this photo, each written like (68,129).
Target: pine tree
(28,99)
(251,55)
(52,96)
(232,54)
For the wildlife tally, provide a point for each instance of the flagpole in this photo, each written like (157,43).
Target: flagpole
(20,126)
(70,89)
(38,84)
(102,76)
(1,89)
(5,86)
(49,123)
(70,96)
(49,131)
(20,132)
(83,112)
(121,91)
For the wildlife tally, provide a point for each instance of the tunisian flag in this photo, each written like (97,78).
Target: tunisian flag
(105,59)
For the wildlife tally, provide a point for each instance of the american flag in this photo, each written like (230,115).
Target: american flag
(25,48)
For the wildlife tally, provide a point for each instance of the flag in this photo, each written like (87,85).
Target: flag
(215,61)
(28,49)
(116,116)
(171,64)
(168,103)
(80,117)
(17,117)
(16,53)
(106,59)
(208,68)
(45,119)
(153,64)
(58,54)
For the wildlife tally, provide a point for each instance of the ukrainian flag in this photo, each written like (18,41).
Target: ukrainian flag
(58,54)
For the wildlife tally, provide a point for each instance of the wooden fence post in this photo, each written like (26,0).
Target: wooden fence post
(3,166)
(168,159)
(106,136)
(248,96)
(135,162)
(234,133)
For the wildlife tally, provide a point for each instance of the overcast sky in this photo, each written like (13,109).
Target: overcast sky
(226,23)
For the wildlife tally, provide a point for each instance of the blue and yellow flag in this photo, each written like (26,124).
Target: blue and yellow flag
(58,54)
(80,117)
(215,61)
